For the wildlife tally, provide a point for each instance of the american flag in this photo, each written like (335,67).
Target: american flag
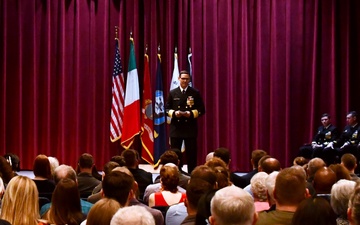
(117,107)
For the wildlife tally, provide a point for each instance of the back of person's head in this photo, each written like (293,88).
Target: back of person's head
(117,185)
(86,161)
(290,186)
(300,161)
(118,159)
(205,173)
(65,203)
(209,156)
(340,195)
(195,189)
(109,166)
(222,176)
(54,162)
(131,157)
(13,160)
(314,211)
(102,211)
(6,172)
(261,160)
(169,178)
(258,186)
(214,162)
(169,156)
(270,186)
(313,165)
(324,179)
(256,155)
(353,213)
(64,171)
(20,204)
(270,165)
(134,215)
(232,205)
(349,161)
(203,210)
(223,153)
(340,171)
(42,167)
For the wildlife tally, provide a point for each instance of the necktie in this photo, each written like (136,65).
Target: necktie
(183,91)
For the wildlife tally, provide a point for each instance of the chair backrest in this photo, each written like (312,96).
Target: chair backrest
(43,201)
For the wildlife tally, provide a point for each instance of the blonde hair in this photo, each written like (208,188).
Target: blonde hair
(20,203)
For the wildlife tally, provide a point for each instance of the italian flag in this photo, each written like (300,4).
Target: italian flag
(131,126)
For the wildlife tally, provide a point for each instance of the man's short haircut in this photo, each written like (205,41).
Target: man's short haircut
(169,156)
(134,215)
(195,189)
(270,164)
(64,171)
(340,195)
(232,205)
(223,153)
(292,179)
(349,161)
(256,156)
(117,185)
(353,113)
(119,159)
(131,157)
(315,164)
(86,161)
(205,173)
(109,166)
(184,72)
(325,115)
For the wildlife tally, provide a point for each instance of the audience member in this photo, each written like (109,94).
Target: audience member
(65,205)
(6,172)
(102,212)
(142,177)
(20,203)
(353,212)
(62,172)
(323,181)
(270,186)
(290,190)
(340,171)
(340,195)
(204,211)
(54,162)
(270,165)
(300,161)
(259,191)
(118,159)
(86,181)
(14,162)
(209,156)
(169,195)
(118,185)
(97,194)
(157,214)
(244,180)
(43,176)
(349,161)
(96,173)
(324,135)
(232,205)
(170,156)
(314,211)
(134,215)
(196,188)
(178,212)
(313,165)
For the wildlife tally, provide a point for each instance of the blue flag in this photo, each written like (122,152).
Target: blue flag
(159,115)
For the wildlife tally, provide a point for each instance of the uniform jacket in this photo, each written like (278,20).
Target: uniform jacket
(189,101)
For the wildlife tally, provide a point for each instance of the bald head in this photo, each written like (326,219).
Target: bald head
(324,179)
(270,165)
